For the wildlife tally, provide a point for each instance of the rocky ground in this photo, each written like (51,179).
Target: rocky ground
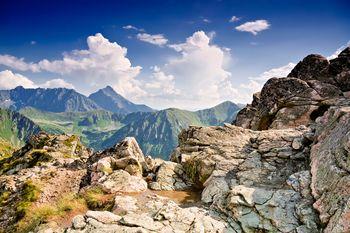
(283,167)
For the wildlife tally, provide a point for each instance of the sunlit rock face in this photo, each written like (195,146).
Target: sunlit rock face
(259,178)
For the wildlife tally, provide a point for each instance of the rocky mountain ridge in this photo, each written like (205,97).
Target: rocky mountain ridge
(110,100)
(53,100)
(284,167)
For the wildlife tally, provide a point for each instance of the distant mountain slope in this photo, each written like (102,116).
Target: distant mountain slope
(93,126)
(53,100)
(224,112)
(15,129)
(157,132)
(110,100)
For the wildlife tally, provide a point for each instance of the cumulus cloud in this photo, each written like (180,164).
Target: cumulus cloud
(198,73)
(161,85)
(156,39)
(10,80)
(103,63)
(234,19)
(254,27)
(55,83)
(18,63)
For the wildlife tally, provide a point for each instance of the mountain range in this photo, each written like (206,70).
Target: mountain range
(105,117)
(68,100)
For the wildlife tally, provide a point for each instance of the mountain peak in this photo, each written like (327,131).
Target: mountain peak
(109,89)
(110,100)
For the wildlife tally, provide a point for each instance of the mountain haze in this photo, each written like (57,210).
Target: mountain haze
(53,100)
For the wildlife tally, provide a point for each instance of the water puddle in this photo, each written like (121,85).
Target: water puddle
(187,197)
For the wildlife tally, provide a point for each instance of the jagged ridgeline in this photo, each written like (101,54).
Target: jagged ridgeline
(15,130)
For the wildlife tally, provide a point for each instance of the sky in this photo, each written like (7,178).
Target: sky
(184,54)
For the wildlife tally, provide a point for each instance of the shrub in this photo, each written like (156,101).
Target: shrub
(97,199)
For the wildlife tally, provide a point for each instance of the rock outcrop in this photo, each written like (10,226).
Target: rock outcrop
(152,213)
(45,169)
(258,178)
(310,89)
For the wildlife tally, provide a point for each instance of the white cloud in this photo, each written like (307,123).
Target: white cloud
(157,39)
(55,83)
(234,19)
(10,80)
(33,42)
(197,74)
(103,63)
(161,84)
(254,27)
(18,63)
(131,27)
(338,51)
(205,20)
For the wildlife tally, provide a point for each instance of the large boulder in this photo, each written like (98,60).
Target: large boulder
(170,176)
(301,97)
(125,155)
(121,181)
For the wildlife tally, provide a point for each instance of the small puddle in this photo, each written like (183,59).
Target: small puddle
(184,198)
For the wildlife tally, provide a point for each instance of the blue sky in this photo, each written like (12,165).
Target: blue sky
(183,54)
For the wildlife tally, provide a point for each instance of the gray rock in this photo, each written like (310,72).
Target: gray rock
(78,222)
(105,217)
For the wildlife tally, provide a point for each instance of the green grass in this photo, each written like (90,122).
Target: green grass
(96,199)
(57,212)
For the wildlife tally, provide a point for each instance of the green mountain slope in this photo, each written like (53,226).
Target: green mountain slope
(15,130)
(157,132)
(93,127)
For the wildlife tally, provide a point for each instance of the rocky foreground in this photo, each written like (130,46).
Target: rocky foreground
(284,167)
